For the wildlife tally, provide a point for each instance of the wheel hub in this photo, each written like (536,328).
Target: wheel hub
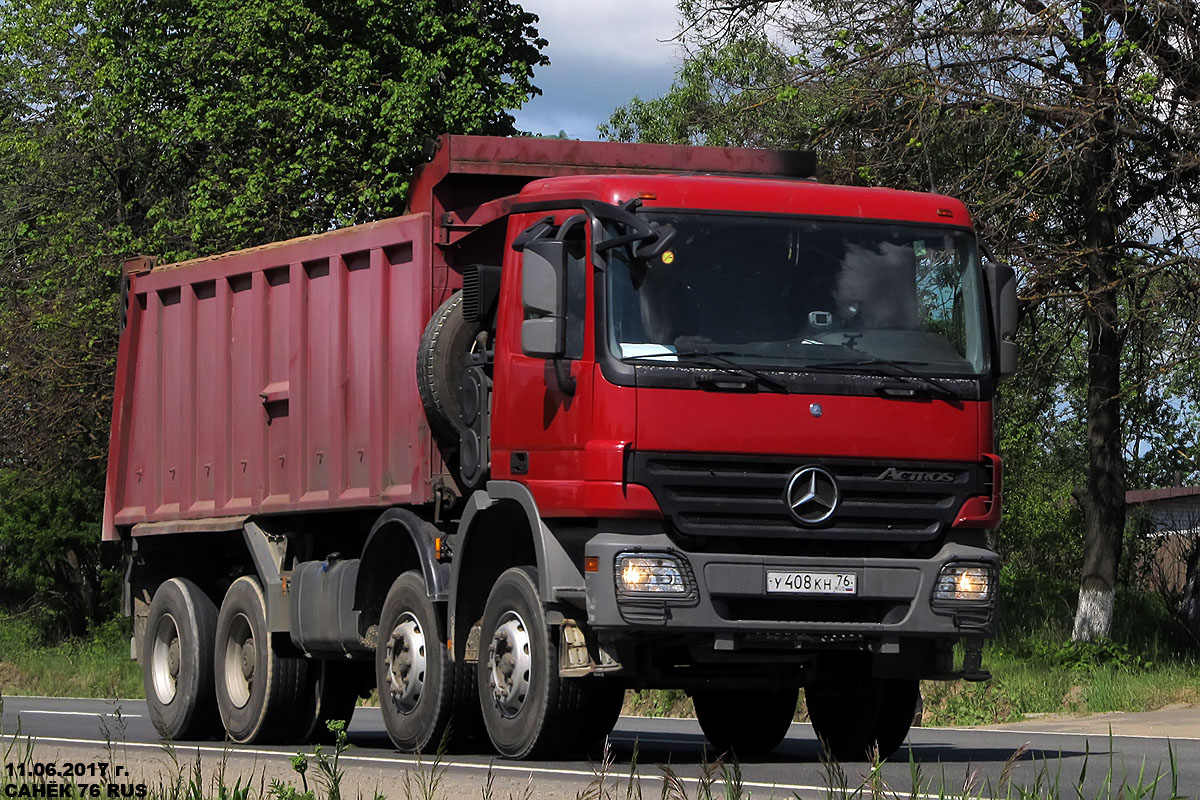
(240,662)
(173,658)
(406,660)
(248,659)
(165,658)
(509,664)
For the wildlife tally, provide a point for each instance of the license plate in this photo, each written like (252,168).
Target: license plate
(812,582)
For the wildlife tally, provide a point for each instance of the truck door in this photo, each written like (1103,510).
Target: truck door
(542,407)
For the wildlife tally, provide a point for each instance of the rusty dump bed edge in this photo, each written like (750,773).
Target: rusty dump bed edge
(327,237)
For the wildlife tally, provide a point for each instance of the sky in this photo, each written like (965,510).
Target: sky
(602,54)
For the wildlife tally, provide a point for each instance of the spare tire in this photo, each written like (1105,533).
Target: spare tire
(441,359)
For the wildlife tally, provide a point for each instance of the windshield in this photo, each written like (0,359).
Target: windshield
(793,293)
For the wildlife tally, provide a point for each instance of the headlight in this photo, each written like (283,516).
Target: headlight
(651,574)
(970,583)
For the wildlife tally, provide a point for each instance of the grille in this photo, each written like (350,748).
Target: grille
(731,495)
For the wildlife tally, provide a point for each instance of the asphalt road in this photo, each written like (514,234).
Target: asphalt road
(945,757)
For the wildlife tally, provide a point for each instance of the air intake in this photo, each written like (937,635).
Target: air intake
(481,291)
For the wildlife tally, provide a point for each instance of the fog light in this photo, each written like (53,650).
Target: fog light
(965,583)
(650,574)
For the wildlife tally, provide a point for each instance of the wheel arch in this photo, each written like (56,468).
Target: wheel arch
(516,536)
(399,541)
(206,557)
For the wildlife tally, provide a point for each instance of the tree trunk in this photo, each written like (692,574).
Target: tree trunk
(1189,609)
(1103,498)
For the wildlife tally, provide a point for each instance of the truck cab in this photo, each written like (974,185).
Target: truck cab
(758,411)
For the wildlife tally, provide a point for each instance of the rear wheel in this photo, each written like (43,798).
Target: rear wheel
(177,661)
(260,693)
(747,722)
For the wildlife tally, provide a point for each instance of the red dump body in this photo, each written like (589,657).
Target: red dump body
(282,378)
(275,379)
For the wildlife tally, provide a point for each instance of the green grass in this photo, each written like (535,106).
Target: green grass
(1028,683)
(96,666)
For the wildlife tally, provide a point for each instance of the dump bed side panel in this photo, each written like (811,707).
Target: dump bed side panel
(277,379)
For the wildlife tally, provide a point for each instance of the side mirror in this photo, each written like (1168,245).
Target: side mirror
(658,245)
(1002,294)
(544,296)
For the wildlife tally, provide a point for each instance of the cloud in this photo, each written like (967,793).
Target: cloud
(601,56)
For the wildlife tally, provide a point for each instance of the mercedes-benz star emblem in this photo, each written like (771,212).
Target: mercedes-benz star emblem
(811,495)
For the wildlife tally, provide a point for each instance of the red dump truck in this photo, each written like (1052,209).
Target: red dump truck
(590,417)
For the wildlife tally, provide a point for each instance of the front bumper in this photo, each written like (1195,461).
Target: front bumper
(893,598)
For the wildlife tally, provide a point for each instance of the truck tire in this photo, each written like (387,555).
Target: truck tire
(331,693)
(260,694)
(600,707)
(747,722)
(441,359)
(844,716)
(898,701)
(413,670)
(520,691)
(177,661)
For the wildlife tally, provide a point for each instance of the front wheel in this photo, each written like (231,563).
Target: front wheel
(857,720)
(898,702)
(518,667)
(528,708)
(843,717)
(413,670)
(747,722)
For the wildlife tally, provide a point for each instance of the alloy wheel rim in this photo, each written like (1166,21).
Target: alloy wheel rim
(241,661)
(510,663)
(165,656)
(406,662)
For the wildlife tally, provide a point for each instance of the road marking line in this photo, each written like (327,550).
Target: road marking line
(939,729)
(13,700)
(1028,732)
(614,776)
(79,713)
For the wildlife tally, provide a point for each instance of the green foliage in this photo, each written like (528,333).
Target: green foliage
(179,128)
(221,123)
(1089,656)
(95,665)
(725,95)
(52,568)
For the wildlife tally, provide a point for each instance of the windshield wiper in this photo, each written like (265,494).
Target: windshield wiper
(894,369)
(721,358)
(718,359)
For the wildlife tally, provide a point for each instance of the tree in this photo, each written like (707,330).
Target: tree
(729,92)
(1071,126)
(187,127)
